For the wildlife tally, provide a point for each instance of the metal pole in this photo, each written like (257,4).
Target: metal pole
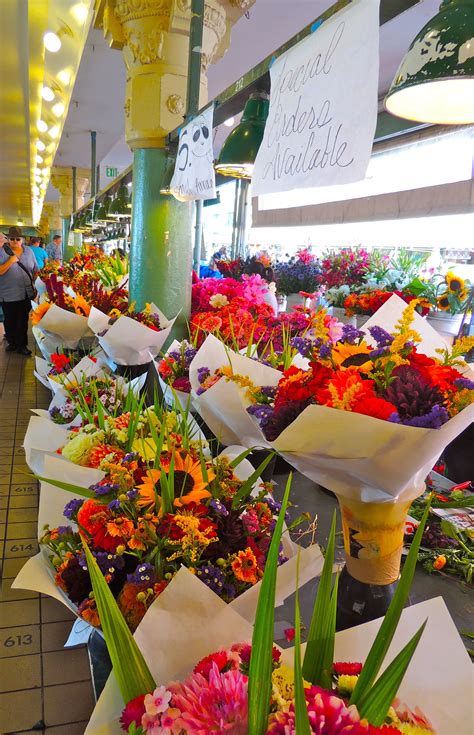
(93,156)
(74,188)
(197,237)
(235,221)
(243,217)
(97,178)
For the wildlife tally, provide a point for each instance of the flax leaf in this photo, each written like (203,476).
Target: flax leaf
(76,489)
(301,711)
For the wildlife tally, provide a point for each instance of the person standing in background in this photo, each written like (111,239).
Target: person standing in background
(54,250)
(41,256)
(17,271)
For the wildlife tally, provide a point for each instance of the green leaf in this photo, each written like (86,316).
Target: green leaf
(246,488)
(448,529)
(321,633)
(76,489)
(387,630)
(130,669)
(240,457)
(378,700)
(301,711)
(261,661)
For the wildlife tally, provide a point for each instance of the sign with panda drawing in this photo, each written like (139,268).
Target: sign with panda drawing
(194,176)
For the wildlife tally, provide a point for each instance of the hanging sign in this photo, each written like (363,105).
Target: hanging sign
(323,105)
(194,176)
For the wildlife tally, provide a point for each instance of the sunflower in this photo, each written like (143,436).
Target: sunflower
(347,356)
(454,283)
(442,302)
(38,313)
(189,482)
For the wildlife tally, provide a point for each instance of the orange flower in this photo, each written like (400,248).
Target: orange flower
(88,611)
(244,566)
(189,482)
(439,562)
(98,453)
(122,527)
(38,313)
(81,306)
(147,489)
(347,356)
(132,609)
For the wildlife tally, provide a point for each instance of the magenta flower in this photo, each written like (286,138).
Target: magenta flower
(215,705)
(328,715)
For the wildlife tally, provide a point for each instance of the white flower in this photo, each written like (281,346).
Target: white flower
(218,300)
(272,287)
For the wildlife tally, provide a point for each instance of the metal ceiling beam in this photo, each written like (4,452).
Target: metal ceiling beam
(232,100)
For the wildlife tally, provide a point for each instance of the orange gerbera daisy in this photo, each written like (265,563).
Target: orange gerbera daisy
(38,313)
(190,486)
(121,526)
(245,567)
(81,306)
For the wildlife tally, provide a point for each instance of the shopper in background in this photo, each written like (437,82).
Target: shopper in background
(41,256)
(54,249)
(17,272)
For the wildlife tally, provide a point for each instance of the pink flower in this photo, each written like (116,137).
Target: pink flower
(166,723)
(335,329)
(158,701)
(328,715)
(217,705)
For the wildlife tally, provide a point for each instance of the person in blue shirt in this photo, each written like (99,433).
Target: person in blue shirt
(40,253)
(18,269)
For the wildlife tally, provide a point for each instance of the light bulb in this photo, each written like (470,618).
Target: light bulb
(42,126)
(64,76)
(58,109)
(52,42)
(228,123)
(54,132)
(80,12)
(40,145)
(39,159)
(47,94)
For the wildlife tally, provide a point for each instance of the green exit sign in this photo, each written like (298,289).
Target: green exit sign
(110,172)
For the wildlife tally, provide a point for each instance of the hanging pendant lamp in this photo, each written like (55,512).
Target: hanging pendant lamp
(238,154)
(435,81)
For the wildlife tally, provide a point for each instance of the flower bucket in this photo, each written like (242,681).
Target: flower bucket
(361,319)
(282,302)
(293,299)
(339,313)
(445,324)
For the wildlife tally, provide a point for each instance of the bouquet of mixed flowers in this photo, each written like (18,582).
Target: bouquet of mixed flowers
(231,309)
(62,314)
(345,267)
(88,285)
(210,684)
(231,268)
(301,274)
(131,337)
(446,293)
(89,396)
(367,303)
(173,372)
(62,369)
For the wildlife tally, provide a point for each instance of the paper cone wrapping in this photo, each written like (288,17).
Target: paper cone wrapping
(46,342)
(41,372)
(42,437)
(171,396)
(438,680)
(127,342)
(221,406)
(64,326)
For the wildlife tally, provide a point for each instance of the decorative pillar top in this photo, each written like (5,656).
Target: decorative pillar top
(61,178)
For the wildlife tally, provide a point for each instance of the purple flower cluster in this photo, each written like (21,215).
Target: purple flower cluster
(381,336)
(219,507)
(71,509)
(432,420)
(303,345)
(297,276)
(103,488)
(462,383)
(351,334)
(143,574)
(213,577)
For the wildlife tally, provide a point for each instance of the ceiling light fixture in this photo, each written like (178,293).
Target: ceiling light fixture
(38,158)
(228,123)
(42,126)
(80,12)
(47,94)
(40,145)
(58,109)
(54,132)
(238,154)
(52,42)
(64,76)
(435,81)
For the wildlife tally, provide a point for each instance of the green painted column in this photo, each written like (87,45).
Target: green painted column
(67,251)
(161,252)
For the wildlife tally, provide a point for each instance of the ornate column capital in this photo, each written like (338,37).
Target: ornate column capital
(154,38)
(61,179)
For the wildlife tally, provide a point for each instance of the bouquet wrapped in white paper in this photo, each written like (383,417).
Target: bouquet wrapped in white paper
(128,341)
(173,374)
(62,328)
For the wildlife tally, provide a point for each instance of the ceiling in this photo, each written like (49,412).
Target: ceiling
(98,95)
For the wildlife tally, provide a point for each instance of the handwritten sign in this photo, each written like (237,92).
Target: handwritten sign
(194,176)
(323,106)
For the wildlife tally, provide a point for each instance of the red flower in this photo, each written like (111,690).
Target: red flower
(289,634)
(349,668)
(133,713)
(220,658)
(379,408)
(93,518)
(60,362)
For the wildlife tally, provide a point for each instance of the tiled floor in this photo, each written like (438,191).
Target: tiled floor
(43,687)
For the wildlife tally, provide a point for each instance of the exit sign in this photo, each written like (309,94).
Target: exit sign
(110,172)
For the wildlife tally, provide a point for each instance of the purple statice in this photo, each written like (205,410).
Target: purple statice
(379,352)
(212,576)
(114,505)
(303,345)
(434,419)
(144,574)
(132,494)
(351,334)
(103,488)
(71,508)
(269,391)
(261,412)
(203,373)
(65,530)
(325,351)
(381,336)
(274,505)
(107,563)
(219,507)
(276,421)
(130,457)
(462,383)
(229,591)
(281,555)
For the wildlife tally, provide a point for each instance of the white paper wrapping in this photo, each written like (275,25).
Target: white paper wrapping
(127,342)
(221,406)
(64,326)
(42,437)
(439,680)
